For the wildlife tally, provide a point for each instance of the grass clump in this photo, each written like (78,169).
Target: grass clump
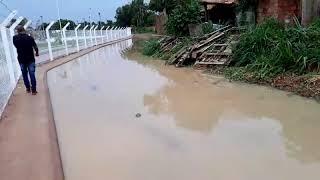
(151,47)
(208,27)
(271,49)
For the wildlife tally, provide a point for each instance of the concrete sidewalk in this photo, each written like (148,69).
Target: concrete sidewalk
(28,141)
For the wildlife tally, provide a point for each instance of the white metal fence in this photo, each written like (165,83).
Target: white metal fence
(52,45)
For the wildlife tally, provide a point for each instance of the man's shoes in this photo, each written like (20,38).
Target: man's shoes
(28,90)
(34,92)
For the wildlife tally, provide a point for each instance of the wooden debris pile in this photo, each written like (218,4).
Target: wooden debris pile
(211,49)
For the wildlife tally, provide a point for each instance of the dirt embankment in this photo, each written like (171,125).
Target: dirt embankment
(306,86)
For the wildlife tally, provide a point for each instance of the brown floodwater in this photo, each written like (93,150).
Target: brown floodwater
(123,119)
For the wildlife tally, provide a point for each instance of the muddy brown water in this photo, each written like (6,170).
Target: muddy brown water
(122,119)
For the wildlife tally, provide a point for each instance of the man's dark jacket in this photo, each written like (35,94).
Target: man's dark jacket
(25,45)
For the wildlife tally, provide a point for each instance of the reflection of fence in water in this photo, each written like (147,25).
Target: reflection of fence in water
(55,43)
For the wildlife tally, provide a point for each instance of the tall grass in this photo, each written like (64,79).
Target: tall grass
(271,48)
(151,47)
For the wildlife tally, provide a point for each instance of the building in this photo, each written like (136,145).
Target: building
(220,11)
(284,10)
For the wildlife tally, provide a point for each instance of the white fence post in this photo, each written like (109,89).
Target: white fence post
(115,33)
(107,34)
(65,37)
(91,38)
(111,33)
(101,32)
(49,40)
(27,24)
(84,36)
(130,32)
(77,39)
(15,55)
(6,46)
(123,32)
(118,33)
(95,35)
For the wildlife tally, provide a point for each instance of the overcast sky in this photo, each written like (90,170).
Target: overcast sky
(76,10)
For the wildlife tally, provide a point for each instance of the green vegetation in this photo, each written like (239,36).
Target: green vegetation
(182,15)
(142,30)
(151,47)
(271,49)
(208,27)
(164,5)
(134,14)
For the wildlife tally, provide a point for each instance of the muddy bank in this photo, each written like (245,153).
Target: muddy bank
(306,85)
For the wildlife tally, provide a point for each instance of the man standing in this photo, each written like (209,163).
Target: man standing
(26,46)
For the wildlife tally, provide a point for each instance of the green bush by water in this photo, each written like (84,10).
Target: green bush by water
(151,47)
(271,48)
(141,30)
(182,15)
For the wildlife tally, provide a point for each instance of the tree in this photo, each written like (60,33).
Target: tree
(134,14)
(110,23)
(42,26)
(183,15)
(56,25)
(164,5)
(140,9)
(124,15)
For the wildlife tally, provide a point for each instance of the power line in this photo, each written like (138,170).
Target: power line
(5,5)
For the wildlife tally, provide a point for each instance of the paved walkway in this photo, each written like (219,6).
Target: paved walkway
(28,143)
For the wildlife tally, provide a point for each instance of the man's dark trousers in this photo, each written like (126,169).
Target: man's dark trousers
(29,70)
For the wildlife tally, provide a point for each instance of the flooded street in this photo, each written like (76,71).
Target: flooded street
(123,119)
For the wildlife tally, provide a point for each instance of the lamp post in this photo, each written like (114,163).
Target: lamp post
(58,9)
(99,18)
(42,25)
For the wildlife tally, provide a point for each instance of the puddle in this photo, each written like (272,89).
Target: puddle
(122,119)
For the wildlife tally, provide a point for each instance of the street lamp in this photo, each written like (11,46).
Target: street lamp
(42,25)
(90,16)
(99,18)
(58,9)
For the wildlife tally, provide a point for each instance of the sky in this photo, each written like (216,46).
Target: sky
(76,10)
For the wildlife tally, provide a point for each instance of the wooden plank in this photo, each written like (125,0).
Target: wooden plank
(211,63)
(218,54)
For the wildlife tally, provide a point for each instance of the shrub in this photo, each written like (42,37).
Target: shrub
(182,15)
(141,30)
(207,27)
(271,49)
(151,47)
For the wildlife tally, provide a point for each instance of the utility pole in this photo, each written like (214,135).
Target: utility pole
(42,25)
(58,9)
(90,17)
(5,6)
(99,19)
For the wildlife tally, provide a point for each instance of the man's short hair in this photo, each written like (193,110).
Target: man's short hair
(20,29)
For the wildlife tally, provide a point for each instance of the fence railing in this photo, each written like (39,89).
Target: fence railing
(52,44)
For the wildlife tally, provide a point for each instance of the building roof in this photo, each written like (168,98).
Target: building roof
(219,1)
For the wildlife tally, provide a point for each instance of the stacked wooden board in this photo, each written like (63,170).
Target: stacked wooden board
(211,49)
